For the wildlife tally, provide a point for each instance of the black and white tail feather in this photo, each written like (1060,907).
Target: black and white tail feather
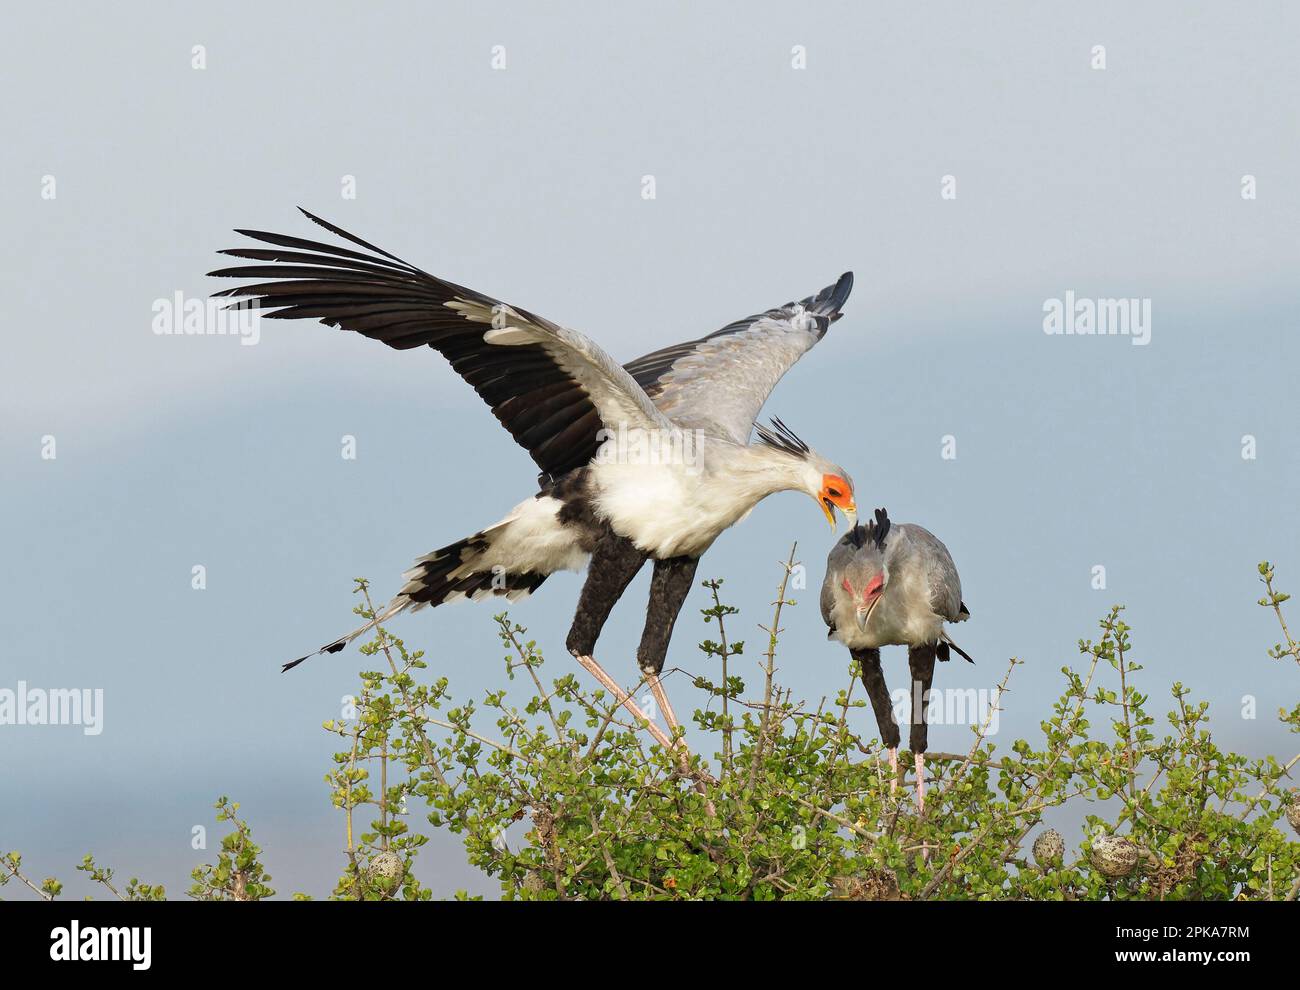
(946,643)
(941,651)
(463,569)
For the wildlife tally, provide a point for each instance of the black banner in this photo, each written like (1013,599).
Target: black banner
(194,941)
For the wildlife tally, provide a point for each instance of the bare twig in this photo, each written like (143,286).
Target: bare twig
(769,664)
(416,726)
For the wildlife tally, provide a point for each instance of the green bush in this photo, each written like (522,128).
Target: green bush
(565,797)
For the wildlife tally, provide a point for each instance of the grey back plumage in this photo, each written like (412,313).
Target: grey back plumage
(933,557)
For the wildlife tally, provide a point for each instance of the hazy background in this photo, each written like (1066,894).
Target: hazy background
(525,183)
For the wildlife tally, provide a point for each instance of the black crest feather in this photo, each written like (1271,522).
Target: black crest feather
(874,531)
(781,437)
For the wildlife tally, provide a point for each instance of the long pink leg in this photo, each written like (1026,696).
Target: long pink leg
(611,685)
(665,706)
(893,769)
(920,782)
(683,754)
(920,796)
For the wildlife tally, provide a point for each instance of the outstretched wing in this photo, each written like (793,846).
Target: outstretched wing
(552,388)
(719,383)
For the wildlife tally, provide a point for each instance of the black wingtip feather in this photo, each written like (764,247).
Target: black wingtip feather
(840,294)
(831,299)
(333,229)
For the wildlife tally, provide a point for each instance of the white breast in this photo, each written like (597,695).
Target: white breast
(666,510)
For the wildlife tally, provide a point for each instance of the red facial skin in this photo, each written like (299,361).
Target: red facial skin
(870,593)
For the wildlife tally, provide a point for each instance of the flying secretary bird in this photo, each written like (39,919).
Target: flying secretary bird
(561,397)
(890,584)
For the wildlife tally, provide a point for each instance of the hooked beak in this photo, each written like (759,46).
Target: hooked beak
(864,611)
(850,513)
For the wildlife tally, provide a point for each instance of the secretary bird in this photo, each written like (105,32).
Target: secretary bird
(886,585)
(566,401)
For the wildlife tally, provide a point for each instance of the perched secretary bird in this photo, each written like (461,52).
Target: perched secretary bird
(894,585)
(647,460)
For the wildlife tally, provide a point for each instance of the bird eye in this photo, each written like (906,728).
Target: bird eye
(833,493)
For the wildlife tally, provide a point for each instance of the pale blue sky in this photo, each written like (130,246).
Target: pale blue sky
(525,183)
